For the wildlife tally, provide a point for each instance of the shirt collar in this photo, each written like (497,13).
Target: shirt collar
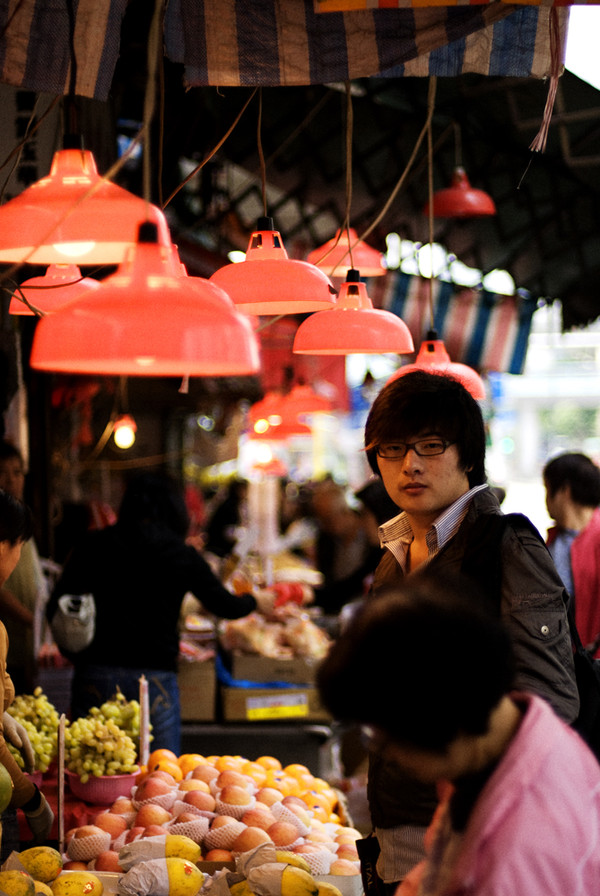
(396,534)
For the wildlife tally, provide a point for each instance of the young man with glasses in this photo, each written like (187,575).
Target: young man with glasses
(425,437)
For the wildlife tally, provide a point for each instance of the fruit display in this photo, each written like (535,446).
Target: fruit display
(40,719)
(217,809)
(288,633)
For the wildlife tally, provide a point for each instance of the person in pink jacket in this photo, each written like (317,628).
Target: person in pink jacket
(572,483)
(520,812)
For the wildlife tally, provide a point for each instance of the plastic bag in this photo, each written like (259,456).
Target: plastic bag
(74,622)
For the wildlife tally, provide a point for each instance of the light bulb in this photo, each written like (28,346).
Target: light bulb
(124,431)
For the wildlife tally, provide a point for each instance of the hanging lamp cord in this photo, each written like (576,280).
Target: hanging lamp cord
(400,182)
(261,155)
(213,151)
(430,214)
(348,188)
(349,133)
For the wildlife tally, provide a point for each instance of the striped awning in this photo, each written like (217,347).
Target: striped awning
(482,329)
(287,42)
(353,5)
(277,42)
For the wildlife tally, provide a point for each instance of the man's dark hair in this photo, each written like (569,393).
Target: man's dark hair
(16,520)
(579,472)
(422,402)
(423,663)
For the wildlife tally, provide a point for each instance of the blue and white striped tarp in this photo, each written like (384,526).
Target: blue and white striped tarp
(286,42)
(275,42)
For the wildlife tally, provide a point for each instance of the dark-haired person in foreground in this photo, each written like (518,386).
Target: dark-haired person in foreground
(429,675)
(425,437)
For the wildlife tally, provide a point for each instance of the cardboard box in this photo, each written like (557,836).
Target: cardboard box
(251,667)
(272,704)
(197,690)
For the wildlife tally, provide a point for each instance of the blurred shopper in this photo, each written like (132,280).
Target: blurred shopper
(139,571)
(226,518)
(346,547)
(434,692)
(425,437)
(572,483)
(24,595)
(16,528)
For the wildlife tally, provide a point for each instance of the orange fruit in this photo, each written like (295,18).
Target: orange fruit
(158,755)
(269,762)
(314,799)
(296,770)
(319,813)
(320,784)
(172,768)
(257,772)
(189,761)
(229,762)
(274,776)
(289,786)
(326,790)
(305,781)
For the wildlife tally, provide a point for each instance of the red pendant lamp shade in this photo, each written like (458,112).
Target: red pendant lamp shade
(60,284)
(148,319)
(353,326)
(268,411)
(461,200)
(268,282)
(74,215)
(302,400)
(346,252)
(434,358)
(279,432)
(276,409)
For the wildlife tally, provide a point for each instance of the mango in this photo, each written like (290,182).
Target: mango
(241,888)
(292,858)
(182,846)
(17,883)
(327,889)
(297,882)
(185,878)
(42,862)
(76,883)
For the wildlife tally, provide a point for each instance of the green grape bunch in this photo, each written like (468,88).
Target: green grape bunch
(125,713)
(40,719)
(102,743)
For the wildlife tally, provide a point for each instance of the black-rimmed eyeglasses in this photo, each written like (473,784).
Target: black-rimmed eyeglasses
(422,447)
